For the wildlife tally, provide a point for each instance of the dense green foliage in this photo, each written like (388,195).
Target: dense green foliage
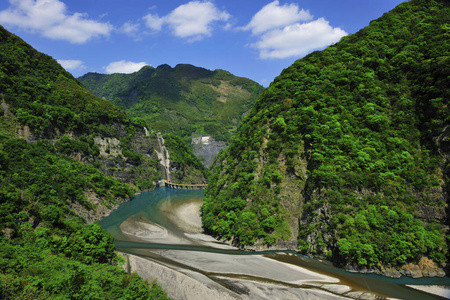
(43,95)
(391,236)
(46,249)
(350,142)
(40,184)
(184,100)
(43,265)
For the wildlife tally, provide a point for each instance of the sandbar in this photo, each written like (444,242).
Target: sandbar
(143,230)
(439,290)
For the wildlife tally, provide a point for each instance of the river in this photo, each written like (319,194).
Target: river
(160,234)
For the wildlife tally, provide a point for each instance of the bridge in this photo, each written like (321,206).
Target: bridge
(181,186)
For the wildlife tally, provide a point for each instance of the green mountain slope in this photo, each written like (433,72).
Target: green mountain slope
(185,100)
(345,155)
(53,132)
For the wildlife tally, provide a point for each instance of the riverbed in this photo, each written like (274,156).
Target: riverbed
(160,235)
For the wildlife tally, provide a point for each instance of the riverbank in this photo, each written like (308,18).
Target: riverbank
(205,275)
(164,227)
(183,283)
(442,291)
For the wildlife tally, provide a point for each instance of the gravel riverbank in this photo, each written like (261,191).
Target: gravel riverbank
(197,275)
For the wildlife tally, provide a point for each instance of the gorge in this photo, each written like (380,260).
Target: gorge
(344,158)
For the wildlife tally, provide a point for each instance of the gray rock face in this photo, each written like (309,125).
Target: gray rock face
(207,148)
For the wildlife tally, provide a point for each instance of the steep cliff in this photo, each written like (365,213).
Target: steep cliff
(207,148)
(345,155)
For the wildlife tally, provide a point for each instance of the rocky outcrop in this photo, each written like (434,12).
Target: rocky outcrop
(206,148)
(429,213)
(425,268)
(108,146)
(99,210)
(319,236)
(4,108)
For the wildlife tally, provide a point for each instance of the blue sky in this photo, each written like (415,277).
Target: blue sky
(250,38)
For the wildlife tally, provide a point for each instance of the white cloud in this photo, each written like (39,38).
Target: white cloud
(193,20)
(124,66)
(274,16)
(154,22)
(71,64)
(50,19)
(286,31)
(298,39)
(131,29)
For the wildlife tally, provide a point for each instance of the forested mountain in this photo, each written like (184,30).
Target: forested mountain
(66,157)
(345,155)
(184,100)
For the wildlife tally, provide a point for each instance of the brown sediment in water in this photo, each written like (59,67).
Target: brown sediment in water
(186,216)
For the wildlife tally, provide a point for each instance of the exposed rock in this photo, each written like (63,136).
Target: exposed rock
(391,272)
(321,219)
(108,146)
(7,233)
(411,270)
(25,133)
(183,284)
(207,148)
(427,213)
(425,268)
(360,269)
(99,211)
(5,108)
(259,245)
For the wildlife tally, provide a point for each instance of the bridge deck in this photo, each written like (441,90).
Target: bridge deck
(181,186)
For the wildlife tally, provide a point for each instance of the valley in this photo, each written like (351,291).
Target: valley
(331,183)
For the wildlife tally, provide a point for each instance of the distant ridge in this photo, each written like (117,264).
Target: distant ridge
(185,100)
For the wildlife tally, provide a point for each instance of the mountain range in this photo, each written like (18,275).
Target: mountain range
(186,100)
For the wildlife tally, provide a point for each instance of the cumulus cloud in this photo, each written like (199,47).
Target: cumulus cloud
(286,31)
(125,67)
(154,22)
(298,39)
(50,19)
(193,21)
(274,16)
(72,64)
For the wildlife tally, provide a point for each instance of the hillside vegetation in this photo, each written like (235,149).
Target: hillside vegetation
(345,155)
(184,100)
(52,161)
